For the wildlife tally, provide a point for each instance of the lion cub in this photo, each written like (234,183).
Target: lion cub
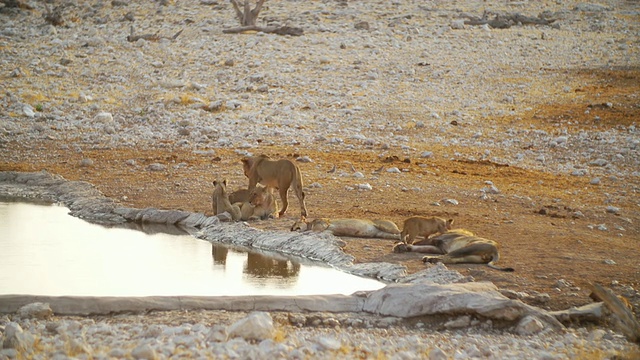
(423,226)
(220,201)
(260,203)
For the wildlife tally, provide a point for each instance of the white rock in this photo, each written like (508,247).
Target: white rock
(16,338)
(329,343)
(613,209)
(426,154)
(217,333)
(437,354)
(491,190)
(596,335)
(118,353)
(103,117)
(462,321)
(145,352)
(256,326)
(36,310)
(365,186)
(394,170)
(529,325)
(304,159)
(457,24)
(562,283)
(156,167)
(28,111)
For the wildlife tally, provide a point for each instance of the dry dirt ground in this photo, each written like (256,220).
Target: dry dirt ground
(531,218)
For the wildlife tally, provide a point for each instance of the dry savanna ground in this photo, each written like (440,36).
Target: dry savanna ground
(531,217)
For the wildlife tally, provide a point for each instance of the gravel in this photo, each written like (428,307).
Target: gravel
(216,334)
(393,71)
(393,82)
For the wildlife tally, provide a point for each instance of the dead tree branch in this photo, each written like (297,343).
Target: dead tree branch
(629,325)
(278,30)
(505,21)
(150,37)
(247,17)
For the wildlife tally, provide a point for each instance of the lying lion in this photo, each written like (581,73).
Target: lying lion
(384,229)
(456,246)
(260,203)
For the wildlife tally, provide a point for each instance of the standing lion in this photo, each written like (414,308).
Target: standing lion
(278,174)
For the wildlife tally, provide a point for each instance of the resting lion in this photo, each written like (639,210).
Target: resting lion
(423,226)
(278,174)
(384,229)
(220,201)
(263,204)
(456,246)
(260,203)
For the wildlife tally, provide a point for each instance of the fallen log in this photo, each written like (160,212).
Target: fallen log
(279,30)
(505,21)
(629,325)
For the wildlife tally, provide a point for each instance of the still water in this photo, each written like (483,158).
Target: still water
(45,251)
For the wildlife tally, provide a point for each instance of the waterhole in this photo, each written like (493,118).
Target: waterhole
(45,251)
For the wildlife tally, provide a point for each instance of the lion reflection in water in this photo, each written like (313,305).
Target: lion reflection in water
(259,265)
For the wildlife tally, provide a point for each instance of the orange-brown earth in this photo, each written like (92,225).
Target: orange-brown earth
(531,218)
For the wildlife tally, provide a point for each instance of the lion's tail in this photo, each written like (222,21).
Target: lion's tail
(297,181)
(495,259)
(403,234)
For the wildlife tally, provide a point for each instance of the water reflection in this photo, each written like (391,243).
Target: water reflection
(152,228)
(259,265)
(266,267)
(219,254)
(47,252)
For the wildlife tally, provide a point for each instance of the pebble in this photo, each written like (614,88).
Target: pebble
(304,159)
(156,167)
(491,190)
(103,117)
(28,111)
(613,210)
